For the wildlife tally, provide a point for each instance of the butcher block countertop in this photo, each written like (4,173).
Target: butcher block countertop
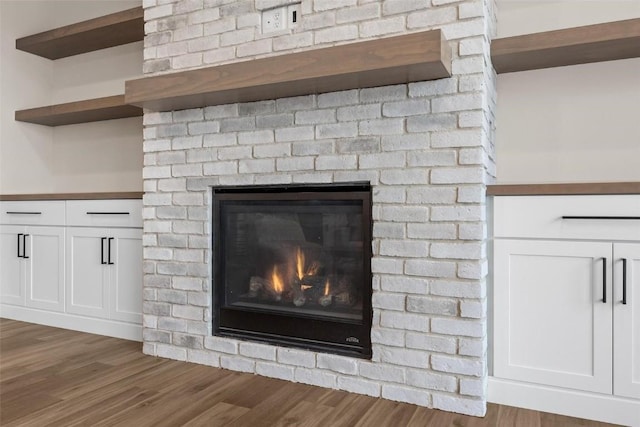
(72,196)
(564,189)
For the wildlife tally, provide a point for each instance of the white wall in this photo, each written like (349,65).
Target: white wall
(531,16)
(567,124)
(100,156)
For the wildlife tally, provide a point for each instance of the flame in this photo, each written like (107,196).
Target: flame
(313,268)
(299,263)
(278,286)
(326,287)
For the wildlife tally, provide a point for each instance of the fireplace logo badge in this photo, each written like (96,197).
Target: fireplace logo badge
(353,340)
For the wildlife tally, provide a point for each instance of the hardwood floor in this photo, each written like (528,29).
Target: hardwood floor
(55,377)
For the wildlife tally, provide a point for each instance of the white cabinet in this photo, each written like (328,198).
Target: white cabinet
(87,272)
(73,264)
(104,268)
(104,259)
(551,326)
(562,266)
(32,256)
(43,253)
(125,298)
(626,319)
(12,266)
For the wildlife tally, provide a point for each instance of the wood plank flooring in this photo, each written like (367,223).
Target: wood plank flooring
(54,377)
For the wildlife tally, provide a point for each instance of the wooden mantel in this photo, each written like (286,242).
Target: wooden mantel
(580,45)
(393,60)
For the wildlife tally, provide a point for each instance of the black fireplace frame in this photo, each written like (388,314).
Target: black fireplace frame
(345,337)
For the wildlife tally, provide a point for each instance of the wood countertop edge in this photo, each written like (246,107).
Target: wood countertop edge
(492,190)
(567,189)
(72,196)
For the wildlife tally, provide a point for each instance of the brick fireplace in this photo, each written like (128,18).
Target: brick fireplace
(425,149)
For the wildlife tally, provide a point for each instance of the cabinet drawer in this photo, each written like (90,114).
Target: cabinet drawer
(32,212)
(592,217)
(104,213)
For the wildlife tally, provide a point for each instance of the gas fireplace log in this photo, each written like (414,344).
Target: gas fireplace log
(297,294)
(299,300)
(271,294)
(314,268)
(312,287)
(259,287)
(256,285)
(313,281)
(344,298)
(325,300)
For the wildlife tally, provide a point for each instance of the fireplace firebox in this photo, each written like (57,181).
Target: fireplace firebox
(292,266)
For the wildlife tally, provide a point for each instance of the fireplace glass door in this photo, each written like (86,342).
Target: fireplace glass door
(292,266)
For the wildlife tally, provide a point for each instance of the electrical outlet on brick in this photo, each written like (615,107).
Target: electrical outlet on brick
(280,18)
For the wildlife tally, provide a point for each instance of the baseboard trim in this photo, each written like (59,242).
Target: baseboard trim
(110,328)
(572,403)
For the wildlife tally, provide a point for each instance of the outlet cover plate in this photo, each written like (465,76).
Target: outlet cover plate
(274,19)
(281,18)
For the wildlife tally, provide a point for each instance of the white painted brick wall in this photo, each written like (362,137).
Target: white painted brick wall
(457,404)
(431,381)
(425,147)
(405,357)
(404,321)
(223,345)
(294,357)
(382,372)
(458,365)
(344,365)
(240,364)
(258,351)
(275,370)
(412,395)
(316,377)
(434,343)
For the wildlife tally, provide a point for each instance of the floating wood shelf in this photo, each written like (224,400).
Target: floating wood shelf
(99,33)
(90,110)
(580,45)
(394,60)
(563,189)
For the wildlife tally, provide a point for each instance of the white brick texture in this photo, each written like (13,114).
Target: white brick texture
(425,148)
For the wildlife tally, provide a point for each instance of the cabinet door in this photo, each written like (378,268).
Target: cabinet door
(87,290)
(126,275)
(626,321)
(45,268)
(12,267)
(551,325)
